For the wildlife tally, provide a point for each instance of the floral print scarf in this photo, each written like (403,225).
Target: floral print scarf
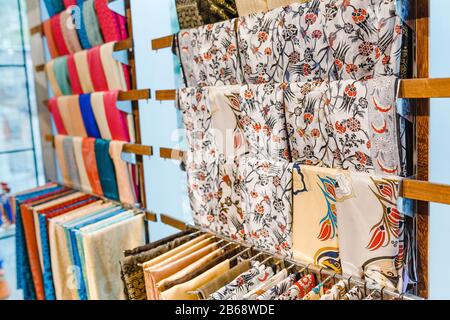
(299,289)
(336,292)
(279,288)
(345,124)
(235,290)
(321,40)
(209,56)
(267,195)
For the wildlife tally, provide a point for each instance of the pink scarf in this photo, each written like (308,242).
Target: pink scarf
(112,25)
(117,121)
(96,70)
(47,27)
(69,32)
(73,75)
(55,22)
(59,124)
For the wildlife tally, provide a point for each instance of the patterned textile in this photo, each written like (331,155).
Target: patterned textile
(263,120)
(351,125)
(188,14)
(267,195)
(371,227)
(328,40)
(209,55)
(356,293)
(213,11)
(336,292)
(315,232)
(263,287)
(299,289)
(246,7)
(280,288)
(247,281)
(315,294)
(202,156)
(132,274)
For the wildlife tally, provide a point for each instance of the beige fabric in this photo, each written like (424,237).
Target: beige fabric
(78,151)
(59,148)
(123,173)
(263,287)
(75,117)
(63,104)
(189,269)
(37,225)
(246,7)
(98,107)
(103,249)
(153,275)
(167,255)
(180,292)
(58,251)
(82,65)
(113,68)
(52,78)
(315,237)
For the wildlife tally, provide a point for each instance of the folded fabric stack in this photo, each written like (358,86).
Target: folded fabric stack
(68,243)
(81,24)
(195,266)
(293,134)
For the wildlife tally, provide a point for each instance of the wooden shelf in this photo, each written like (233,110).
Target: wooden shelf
(426,191)
(173,154)
(175,223)
(161,43)
(128,148)
(425,88)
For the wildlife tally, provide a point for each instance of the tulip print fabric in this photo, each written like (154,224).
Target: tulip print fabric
(371,228)
(209,55)
(263,121)
(247,281)
(356,293)
(315,231)
(300,288)
(315,294)
(280,288)
(267,199)
(351,125)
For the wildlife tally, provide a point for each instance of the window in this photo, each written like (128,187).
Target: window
(20,151)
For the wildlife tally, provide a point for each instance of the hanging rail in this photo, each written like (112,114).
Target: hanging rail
(161,43)
(136,149)
(409,88)
(119,46)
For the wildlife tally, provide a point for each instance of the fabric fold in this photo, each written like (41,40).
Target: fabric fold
(90,163)
(106,170)
(123,173)
(82,65)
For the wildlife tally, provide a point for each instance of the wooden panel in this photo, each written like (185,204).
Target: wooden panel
(135,95)
(425,191)
(150,216)
(37,30)
(166,153)
(425,88)
(165,95)
(161,43)
(177,224)
(422,142)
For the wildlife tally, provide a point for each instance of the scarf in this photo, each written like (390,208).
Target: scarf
(98,107)
(106,171)
(124,178)
(49,71)
(71,164)
(91,24)
(90,163)
(82,171)
(62,76)
(53,7)
(58,37)
(47,28)
(96,70)
(56,115)
(69,32)
(73,75)
(87,113)
(60,155)
(114,71)
(116,119)
(82,65)
(112,25)
(76,117)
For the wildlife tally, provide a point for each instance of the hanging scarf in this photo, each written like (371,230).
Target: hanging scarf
(57,32)
(69,32)
(112,25)
(123,173)
(71,164)
(91,23)
(53,7)
(82,171)
(117,121)
(106,171)
(61,157)
(98,107)
(47,28)
(315,229)
(371,227)
(64,111)
(62,75)
(49,71)
(57,119)
(90,163)
(96,70)
(89,121)
(82,65)
(75,117)
(73,75)
(114,70)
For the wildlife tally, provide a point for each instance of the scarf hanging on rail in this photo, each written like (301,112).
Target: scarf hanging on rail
(73,75)
(85,185)
(53,7)
(117,120)
(48,33)
(87,113)
(98,107)
(123,171)
(56,115)
(106,169)
(116,73)
(96,69)
(112,25)
(209,55)
(90,163)
(91,24)
(69,32)
(315,232)
(57,32)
